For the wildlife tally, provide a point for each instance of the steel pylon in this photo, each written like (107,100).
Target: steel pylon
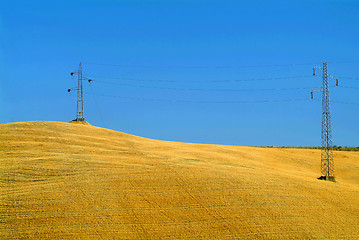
(327,162)
(80,94)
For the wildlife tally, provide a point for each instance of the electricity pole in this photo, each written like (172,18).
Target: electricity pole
(327,163)
(80,94)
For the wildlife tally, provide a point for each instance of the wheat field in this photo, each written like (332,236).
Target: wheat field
(74,181)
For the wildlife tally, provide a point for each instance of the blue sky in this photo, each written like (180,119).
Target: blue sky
(224,72)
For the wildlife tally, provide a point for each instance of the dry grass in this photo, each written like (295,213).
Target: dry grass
(74,181)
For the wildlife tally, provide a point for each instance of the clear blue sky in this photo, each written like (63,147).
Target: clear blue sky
(184,70)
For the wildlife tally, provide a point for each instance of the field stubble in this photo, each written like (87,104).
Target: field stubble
(61,180)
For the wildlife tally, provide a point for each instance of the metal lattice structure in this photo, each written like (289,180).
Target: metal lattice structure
(80,94)
(327,162)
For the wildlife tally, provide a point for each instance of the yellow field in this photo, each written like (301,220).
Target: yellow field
(73,181)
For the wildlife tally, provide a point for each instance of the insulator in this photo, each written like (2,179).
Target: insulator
(311,95)
(313,71)
(336,82)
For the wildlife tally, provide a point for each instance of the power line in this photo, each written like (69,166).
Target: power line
(200,81)
(352,78)
(350,103)
(345,62)
(217,66)
(202,66)
(194,101)
(349,87)
(206,90)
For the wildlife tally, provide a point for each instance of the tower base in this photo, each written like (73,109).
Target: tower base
(331,178)
(80,120)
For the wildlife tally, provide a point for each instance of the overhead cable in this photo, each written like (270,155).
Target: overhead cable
(202,66)
(348,87)
(199,81)
(218,66)
(352,78)
(351,103)
(200,101)
(207,90)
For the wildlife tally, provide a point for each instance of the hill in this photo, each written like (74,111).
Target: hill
(62,181)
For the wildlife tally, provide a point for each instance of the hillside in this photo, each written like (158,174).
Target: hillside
(72,181)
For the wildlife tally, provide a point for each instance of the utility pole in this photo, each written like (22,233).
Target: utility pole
(327,162)
(80,94)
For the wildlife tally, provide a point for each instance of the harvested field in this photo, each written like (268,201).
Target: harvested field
(74,181)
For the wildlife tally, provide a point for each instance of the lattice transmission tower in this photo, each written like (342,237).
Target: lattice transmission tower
(80,94)
(327,162)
